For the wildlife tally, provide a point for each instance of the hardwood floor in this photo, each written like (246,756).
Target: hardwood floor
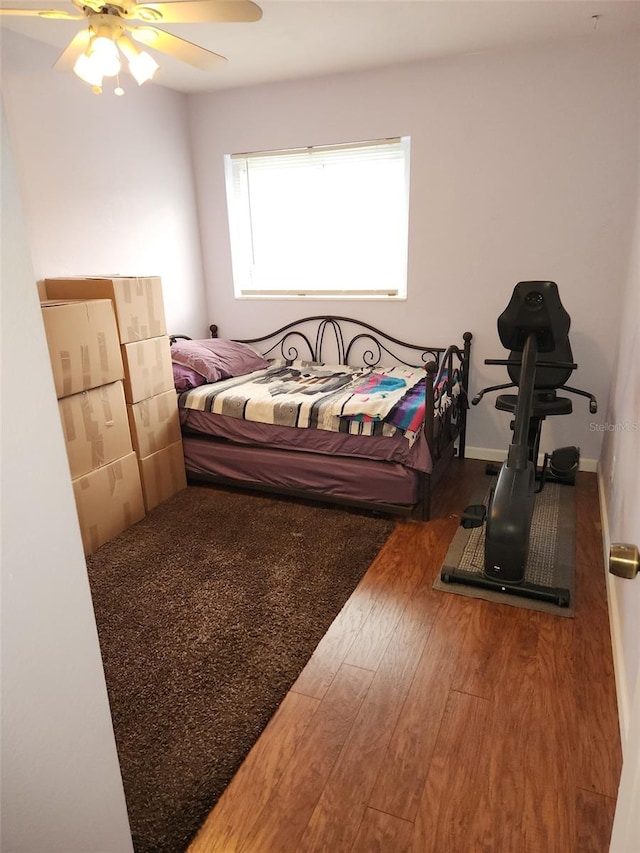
(427,721)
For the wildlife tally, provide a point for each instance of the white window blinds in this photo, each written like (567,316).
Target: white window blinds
(321,221)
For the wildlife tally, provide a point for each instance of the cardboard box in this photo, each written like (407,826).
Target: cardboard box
(108,500)
(163,474)
(147,369)
(96,428)
(138,301)
(83,344)
(154,423)
(42,291)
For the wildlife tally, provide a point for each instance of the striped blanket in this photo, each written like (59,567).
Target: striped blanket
(358,400)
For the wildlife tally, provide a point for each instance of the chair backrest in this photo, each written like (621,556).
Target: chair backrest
(535,307)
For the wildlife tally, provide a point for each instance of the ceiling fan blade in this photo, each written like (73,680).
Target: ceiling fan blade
(42,13)
(76,46)
(197,11)
(182,49)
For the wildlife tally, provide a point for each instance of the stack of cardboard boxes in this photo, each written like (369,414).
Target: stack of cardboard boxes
(88,374)
(151,404)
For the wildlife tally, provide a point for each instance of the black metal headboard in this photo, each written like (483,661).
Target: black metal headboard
(311,337)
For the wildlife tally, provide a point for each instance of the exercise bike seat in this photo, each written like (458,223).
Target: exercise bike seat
(544,405)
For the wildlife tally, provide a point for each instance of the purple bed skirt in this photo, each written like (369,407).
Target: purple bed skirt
(343,477)
(353,468)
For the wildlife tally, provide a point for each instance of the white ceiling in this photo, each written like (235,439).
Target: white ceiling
(301,38)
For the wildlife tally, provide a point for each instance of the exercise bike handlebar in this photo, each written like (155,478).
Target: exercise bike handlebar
(480,394)
(593,403)
(506,362)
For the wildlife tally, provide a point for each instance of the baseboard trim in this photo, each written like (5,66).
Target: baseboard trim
(489,454)
(622,689)
(485,453)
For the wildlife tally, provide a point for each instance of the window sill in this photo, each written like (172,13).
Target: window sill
(338,296)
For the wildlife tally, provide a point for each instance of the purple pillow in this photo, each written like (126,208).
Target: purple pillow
(184,378)
(216,359)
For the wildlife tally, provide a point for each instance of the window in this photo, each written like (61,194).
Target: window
(327,221)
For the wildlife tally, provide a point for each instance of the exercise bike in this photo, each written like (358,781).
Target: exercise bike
(535,328)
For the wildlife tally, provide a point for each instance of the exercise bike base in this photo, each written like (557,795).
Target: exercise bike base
(553,595)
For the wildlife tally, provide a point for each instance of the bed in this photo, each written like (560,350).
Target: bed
(325,408)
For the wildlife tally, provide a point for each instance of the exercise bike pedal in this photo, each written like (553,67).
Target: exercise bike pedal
(561,466)
(473,516)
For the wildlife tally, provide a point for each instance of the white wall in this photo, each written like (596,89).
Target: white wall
(107,182)
(620,502)
(522,167)
(61,786)
(620,483)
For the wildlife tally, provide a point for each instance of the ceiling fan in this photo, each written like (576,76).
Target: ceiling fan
(95,52)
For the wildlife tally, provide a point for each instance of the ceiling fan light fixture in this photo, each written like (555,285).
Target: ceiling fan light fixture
(141,64)
(87,70)
(103,53)
(143,67)
(95,52)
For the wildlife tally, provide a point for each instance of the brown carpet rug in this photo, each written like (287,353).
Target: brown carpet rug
(207,611)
